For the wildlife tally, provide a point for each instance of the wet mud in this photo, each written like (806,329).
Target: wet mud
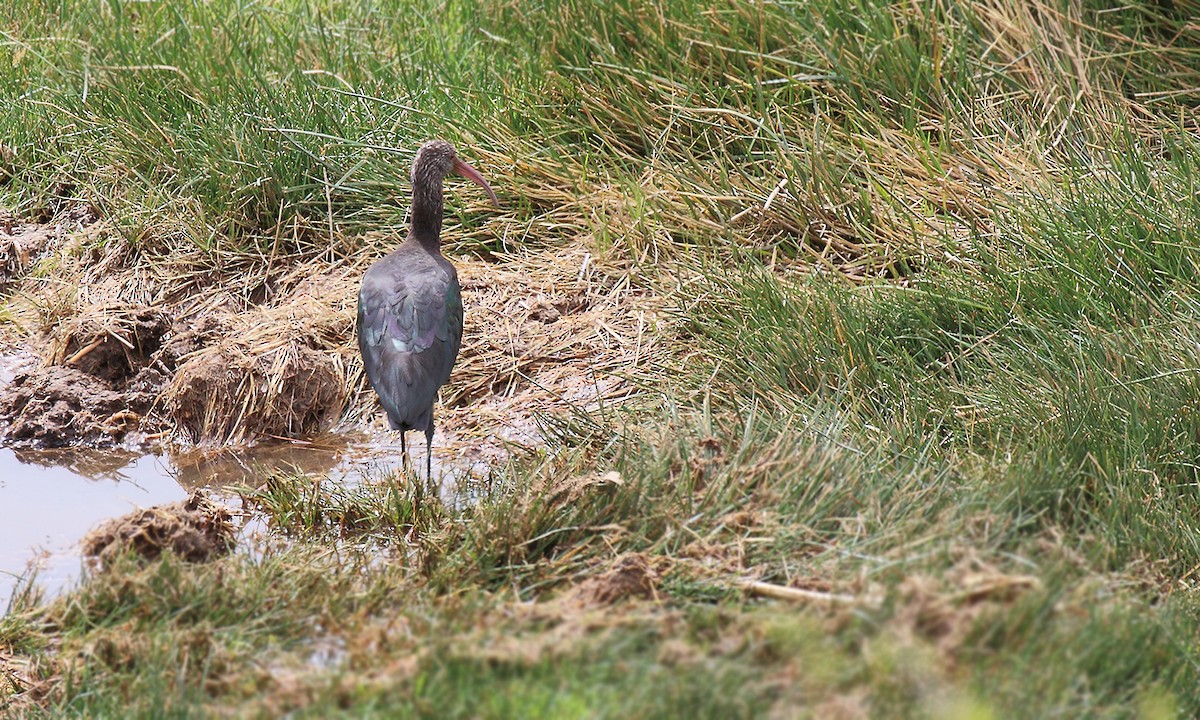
(196,530)
(54,502)
(227,394)
(61,406)
(105,372)
(125,361)
(132,377)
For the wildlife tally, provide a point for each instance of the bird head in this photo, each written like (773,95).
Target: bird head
(436,159)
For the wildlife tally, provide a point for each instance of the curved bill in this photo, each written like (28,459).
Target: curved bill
(473,175)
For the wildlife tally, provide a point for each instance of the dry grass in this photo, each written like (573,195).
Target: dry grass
(22,685)
(109,342)
(548,332)
(278,370)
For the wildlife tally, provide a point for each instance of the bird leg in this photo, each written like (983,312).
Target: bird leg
(429,452)
(406,466)
(403,452)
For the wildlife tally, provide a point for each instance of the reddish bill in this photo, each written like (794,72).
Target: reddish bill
(473,175)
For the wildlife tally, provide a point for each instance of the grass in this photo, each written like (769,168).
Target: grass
(923,287)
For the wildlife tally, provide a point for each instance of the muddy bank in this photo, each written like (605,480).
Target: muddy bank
(105,373)
(131,346)
(128,374)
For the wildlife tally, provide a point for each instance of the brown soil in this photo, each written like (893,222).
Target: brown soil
(226,394)
(172,346)
(943,611)
(106,368)
(195,529)
(110,343)
(59,406)
(630,576)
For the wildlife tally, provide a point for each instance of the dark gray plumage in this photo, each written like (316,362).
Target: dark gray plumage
(410,312)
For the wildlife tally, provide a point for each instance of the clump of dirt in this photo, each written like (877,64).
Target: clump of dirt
(21,246)
(196,529)
(110,343)
(101,380)
(630,576)
(107,368)
(926,609)
(58,406)
(218,374)
(228,392)
(277,371)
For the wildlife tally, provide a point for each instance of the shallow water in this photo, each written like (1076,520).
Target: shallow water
(50,499)
(46,508)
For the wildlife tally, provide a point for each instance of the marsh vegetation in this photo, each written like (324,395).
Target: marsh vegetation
(888,307)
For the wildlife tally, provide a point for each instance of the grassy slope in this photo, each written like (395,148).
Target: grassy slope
(980,410)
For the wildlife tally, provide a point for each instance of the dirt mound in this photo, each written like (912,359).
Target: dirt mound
(196,529)
(111,343)
(228,392)
(196,352)
(943,611)
(102,378)
(21,246)
(277,371)
(57,406)
(214,377)
(629,576)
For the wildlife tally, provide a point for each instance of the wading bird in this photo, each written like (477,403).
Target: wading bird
(410,312)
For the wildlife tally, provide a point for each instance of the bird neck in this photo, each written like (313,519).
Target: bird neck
(426,224)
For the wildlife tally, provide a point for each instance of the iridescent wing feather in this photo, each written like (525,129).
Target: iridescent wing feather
(409,332)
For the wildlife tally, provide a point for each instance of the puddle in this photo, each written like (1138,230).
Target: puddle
(50,499)
(347,458)
(46,508)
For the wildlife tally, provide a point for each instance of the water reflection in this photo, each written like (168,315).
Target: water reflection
(339,457)
(89,463)
(49,500)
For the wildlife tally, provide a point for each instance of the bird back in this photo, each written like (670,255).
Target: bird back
(410,321)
